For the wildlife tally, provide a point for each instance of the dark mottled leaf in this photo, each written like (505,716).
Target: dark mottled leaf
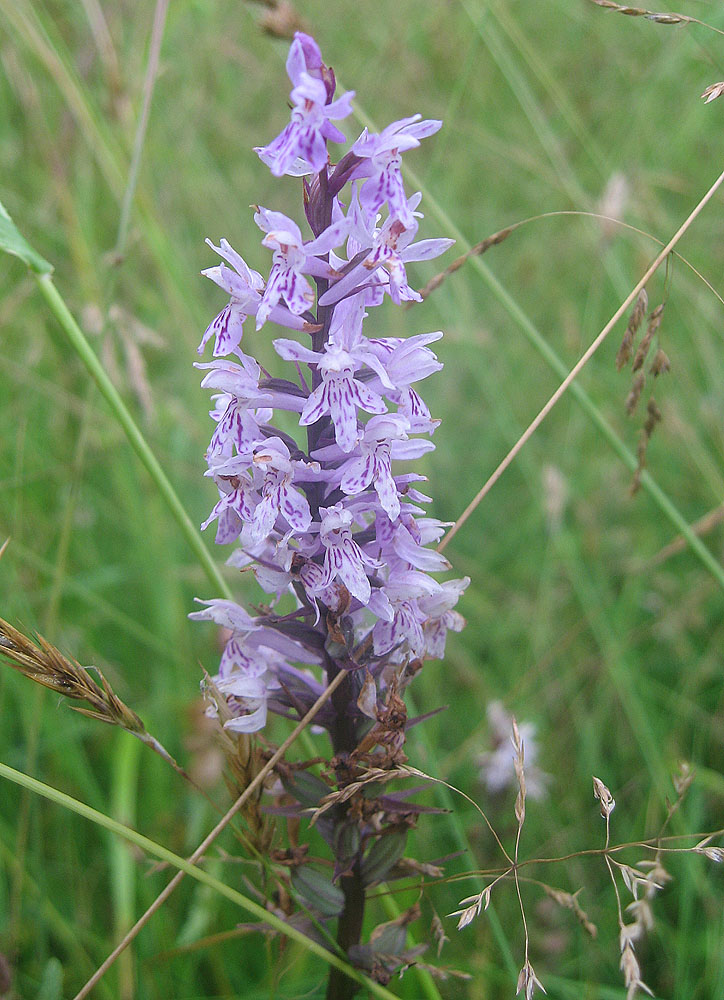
(383,854)
(306,787)
(315,886)
(347,841)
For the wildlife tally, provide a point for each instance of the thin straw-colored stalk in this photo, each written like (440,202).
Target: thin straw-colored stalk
(42,39)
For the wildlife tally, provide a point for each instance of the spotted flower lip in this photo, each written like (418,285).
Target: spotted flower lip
(292,260)
(375,463)
(244,287)
(278,497)
(343,558)
(339,393)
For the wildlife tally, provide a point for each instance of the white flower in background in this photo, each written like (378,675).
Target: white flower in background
(497,769)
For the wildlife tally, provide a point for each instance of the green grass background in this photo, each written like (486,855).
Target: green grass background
(616,659)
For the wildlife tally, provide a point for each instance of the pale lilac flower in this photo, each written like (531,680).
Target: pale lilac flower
(403,545)
(227,614)
(269,560)
(302,147)
(238,494)
(403,589)
(293,259)
(242,410)
(391,247)
(278,496)
(374,465)
(441,616)
(343,558)
(244,286)
(245,679)
(339,394)
(383,151)
(405,362)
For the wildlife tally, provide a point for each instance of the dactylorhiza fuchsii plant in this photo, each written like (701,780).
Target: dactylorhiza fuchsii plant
(337,538)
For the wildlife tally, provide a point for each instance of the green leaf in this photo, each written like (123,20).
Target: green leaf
(383,854)
(315,887)
(346,842)
(12,241)
(51,984)
(306,787)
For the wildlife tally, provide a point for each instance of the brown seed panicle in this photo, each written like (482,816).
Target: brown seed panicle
(638,312)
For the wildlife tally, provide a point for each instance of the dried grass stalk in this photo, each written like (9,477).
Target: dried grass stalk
(570,902)
(650,15)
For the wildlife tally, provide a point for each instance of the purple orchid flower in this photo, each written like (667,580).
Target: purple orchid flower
(441,616)
(390,247)
(301,147)
(383,151)
(343,557)
(239,496)
(293,259)
(322,520)
(278,496)
(403,589)
(244,287)
(240,408)
(374,464)
(339,393)
(306,465)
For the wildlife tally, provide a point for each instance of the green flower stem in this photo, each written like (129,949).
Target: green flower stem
(135,437)
(160,852)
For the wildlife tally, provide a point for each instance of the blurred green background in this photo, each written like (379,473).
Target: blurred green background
(580,619)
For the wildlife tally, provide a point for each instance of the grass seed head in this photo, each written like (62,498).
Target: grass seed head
(660,365)
(528,981)
(712,92)
(600,792)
